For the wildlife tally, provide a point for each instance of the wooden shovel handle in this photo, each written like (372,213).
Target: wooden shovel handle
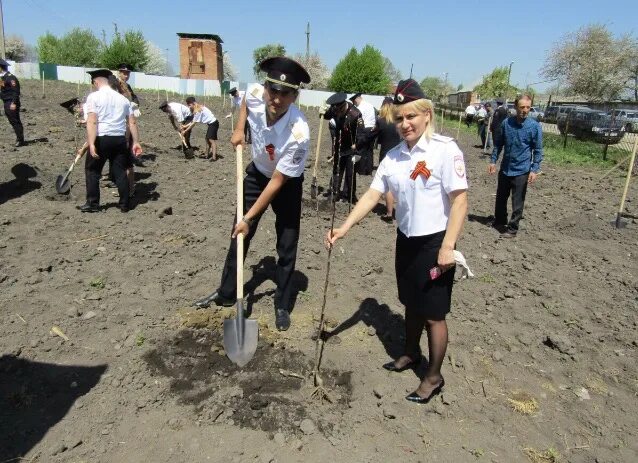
(240,214)
(314,169)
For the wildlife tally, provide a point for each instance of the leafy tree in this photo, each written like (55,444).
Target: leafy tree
(435,88)
(47,48)
(632,67)
(15,48)
(361,72)
(318,71)
(130,48)
(267,51)
(591,62)
(230,73)
(78,47)
(495,84)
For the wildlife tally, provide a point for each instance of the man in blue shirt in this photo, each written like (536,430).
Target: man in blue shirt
(522,140)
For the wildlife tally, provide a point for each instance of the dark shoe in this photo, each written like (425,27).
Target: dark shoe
(138,162)
(124,208)
(499,227)
(508,234)
(387,218)
(390,366)
(21,143)
(416,398)
(89,208)
(214,298)
(282,319)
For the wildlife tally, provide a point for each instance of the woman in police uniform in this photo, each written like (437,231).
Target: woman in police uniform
(426,175)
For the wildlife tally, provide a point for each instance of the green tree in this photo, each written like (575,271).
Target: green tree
(78,47)
(591,62)
(495,85)
(392,72)
(267,51)
(363,72)
(435,88)
(130,48)
(47,48)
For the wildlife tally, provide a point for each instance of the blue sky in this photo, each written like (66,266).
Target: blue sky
(465,39)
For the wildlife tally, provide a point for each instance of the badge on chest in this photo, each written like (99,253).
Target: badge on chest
(420,170)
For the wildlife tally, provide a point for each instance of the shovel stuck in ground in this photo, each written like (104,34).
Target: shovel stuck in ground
(62,183)
(240,335)
(187,150)
(313,185)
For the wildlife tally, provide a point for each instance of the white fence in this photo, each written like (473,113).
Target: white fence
(139,80)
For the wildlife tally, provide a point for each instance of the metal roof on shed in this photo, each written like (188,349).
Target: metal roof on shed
(188,35)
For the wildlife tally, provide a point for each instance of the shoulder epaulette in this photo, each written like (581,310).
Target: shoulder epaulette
(442,138)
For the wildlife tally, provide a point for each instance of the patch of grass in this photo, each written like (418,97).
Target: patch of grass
(97,283)
(550,455)
(478,453)
(579,152)
(487,278)
(139,340)
(523,403)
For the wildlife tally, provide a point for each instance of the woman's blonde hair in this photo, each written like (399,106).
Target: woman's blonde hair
(387,112)
(422,105)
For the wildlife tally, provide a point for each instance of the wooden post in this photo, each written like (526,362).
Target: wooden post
(605,148)
(166,94)
(624,194)
(566,129)
(458,129)
(78,95)
(42,84)
(158,92)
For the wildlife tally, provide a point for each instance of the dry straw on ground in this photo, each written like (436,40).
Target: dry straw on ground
(522,402)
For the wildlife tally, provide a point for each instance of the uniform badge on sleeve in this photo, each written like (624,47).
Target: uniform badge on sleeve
(459,166)
(298,155)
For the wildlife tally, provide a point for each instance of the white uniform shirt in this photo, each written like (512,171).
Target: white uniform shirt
(236,100)
(179,111)
(470,110)
(368,114)
(112,110)
(284,145)
(204,116)
(481,112)
(422,206)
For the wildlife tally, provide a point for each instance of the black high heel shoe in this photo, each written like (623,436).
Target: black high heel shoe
(390,366)
(416,398)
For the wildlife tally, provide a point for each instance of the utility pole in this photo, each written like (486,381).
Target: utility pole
(411,67)
(2,48)
(307,42)
(509,73)
(167,66)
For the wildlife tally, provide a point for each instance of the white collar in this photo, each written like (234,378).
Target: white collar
(421,145)
(282,122)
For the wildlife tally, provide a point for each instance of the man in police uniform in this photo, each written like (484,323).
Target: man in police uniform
(274,177)
(350,136)
(235,104)
(178,114)
(10,95)
(369,116)
(107,115)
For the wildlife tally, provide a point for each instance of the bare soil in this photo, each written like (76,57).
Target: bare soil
(541,363)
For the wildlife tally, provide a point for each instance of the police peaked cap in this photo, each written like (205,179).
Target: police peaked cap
(355,96)
(337,98)
(163,105)
(3,64)
(282,72)
(500,101)
(407,91)
(232,90)
(100,73)
(69,104)
(125,67)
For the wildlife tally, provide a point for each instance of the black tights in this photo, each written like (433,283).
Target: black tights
(437,341)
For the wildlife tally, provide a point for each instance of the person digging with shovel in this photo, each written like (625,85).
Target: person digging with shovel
(280,145)
(180,115)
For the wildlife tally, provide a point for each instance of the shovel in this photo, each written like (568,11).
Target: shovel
(313,185)
(355,158)
(240,334)
(62,184)
(188,152)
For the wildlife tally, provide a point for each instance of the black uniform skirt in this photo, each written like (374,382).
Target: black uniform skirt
(211,132)
(415,257)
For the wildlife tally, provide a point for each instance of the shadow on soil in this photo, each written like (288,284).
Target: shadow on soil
(34,397)
(271,393)
(21,185)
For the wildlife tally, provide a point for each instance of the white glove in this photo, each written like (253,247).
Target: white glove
(136,109)
(323,108)
(228,116)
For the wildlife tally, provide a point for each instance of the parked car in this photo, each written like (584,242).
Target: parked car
(511,109)
(551,114)
(564,110)
(590,124)
(536,113)
(628,118)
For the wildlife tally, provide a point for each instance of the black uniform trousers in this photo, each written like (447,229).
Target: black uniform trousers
(13,115)
(343,167)
(115,150)
(517,187)
(287,208)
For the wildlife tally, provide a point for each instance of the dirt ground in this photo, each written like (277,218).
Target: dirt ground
(541,364)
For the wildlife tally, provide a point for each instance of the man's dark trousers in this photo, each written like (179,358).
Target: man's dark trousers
(517,186)
(287,208)
(113,149)
(13,115)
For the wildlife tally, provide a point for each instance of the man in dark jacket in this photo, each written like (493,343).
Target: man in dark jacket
(350,136)
(500,114)
(10,95)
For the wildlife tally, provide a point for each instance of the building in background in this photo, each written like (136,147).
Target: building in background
(200,56)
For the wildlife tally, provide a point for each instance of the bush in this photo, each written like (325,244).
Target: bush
(131,48)
(363,72)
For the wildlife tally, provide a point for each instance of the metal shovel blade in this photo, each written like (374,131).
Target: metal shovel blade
(62,184)
(313,188)
(240,337)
